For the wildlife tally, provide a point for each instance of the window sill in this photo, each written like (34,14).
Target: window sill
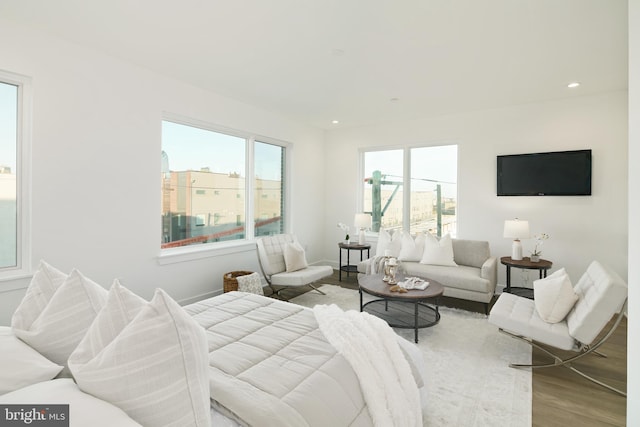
(196,252)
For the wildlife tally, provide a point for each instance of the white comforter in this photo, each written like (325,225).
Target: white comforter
(271,366)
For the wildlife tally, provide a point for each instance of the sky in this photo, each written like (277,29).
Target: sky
(427,163)
(8,109)
(191,148)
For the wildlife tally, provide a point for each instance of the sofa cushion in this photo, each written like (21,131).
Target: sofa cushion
(460,277)
(470,252)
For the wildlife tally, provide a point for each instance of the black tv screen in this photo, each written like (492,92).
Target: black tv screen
(560,173)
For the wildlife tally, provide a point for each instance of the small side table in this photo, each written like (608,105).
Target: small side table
(542,266)
(351,247)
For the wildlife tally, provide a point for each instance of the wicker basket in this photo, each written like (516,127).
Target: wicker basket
(230,283)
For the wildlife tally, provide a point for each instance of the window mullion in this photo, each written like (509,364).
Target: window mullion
(406,193)
(249,222)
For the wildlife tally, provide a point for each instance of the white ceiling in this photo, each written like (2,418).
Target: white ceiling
(320,60)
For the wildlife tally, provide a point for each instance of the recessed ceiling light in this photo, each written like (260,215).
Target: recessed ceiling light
(335,122)
(573,84)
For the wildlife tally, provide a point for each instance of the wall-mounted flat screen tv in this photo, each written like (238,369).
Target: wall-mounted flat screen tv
(560,173)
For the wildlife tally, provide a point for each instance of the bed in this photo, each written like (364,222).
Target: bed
(237,359)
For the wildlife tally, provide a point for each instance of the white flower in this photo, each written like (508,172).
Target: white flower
(344,228)
(540,238)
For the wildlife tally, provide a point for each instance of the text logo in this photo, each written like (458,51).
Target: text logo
(34,415)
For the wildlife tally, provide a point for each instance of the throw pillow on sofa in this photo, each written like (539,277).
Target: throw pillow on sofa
(389,242)
(412,248)
(438,252)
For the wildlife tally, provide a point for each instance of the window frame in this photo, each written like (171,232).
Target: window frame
(406,178)
(247,244)
(23,266)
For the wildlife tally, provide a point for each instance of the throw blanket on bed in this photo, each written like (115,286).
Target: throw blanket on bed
(372,349)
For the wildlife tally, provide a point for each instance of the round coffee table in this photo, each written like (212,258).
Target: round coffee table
(396,308)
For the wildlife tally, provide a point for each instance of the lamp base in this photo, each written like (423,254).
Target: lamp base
(516,250)
(361,238)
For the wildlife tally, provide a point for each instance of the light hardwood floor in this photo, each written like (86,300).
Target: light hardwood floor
(561,397)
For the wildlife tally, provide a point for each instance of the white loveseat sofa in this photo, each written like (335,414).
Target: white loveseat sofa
(474,278)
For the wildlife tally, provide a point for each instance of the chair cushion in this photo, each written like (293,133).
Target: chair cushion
(601,294)
(302,277)
(519,316)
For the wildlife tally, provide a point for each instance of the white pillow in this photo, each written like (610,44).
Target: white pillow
(438,252)
(59,326)
(294,257)
(411,248)
(20,365)
(554,297)
(389,242)
(84,409)
(44,283)
(149,359)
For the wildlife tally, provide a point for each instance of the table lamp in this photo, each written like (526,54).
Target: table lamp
(516,229)
(362,221)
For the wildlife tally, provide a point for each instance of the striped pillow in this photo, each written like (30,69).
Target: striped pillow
(53,320)
(148,359)
(44,283)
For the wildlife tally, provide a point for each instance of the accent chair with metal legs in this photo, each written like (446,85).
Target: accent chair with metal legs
(602,294)
(271,256)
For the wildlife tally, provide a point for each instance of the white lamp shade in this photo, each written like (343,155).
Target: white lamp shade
(516,229)
(362,220)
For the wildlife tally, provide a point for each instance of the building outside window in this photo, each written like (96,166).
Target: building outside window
(14,183)
(412,189)
(212,181)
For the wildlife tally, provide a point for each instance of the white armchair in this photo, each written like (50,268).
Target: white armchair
(271,251)
(602,294)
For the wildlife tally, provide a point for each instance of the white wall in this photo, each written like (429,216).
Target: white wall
(581,228)
(96,167)
(633,326)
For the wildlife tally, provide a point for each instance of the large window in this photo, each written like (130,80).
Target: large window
(412,189)
(212,181)
(14,153)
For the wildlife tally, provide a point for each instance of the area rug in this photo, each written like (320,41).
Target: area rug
(469,382)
